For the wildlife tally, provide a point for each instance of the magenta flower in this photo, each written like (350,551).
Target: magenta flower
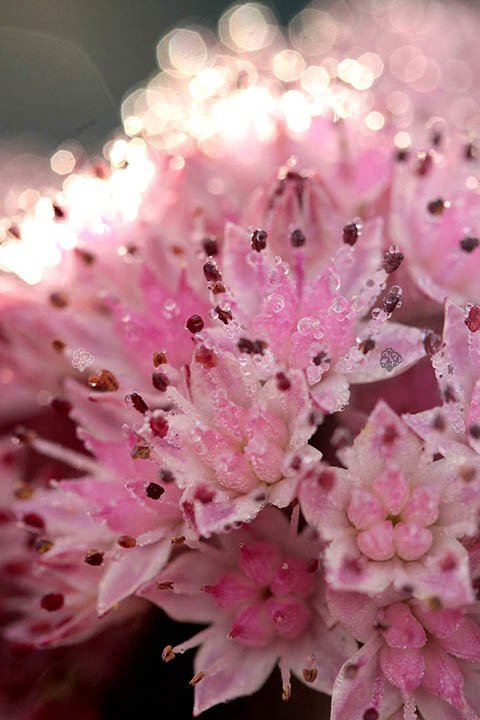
(261,593)
(413,657)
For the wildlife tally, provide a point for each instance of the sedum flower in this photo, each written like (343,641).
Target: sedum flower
(260,591)
(394,517)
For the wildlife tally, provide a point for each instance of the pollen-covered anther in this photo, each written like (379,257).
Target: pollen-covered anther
(159,358)
(167,653)
(137,402)
(195,324)
(258,240)
(365,346)
(351,233)
(297,238)
(211,271)
(393,299)
(42,545)
(197,678)
(472,321)
(309,674)
(392,259)
(141,452)
(22,491)
(223,314)
(286,693)
(105,382)
(424,163)
(178,540)
(94,557)
(159,426)
(126,541)
(437,206)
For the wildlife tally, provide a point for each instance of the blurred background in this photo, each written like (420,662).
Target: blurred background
(67,64)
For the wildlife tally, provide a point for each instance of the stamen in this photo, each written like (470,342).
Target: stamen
(137,402)
(392,259)
(436,206)
(167,653)
(165,584)
(211,271)
(85,256)
(195,324)
(468,244)
(210,246)
(297,238)
(154,491)
(42,545)
(52,602)
(126,541)
(283,383)
(94,558)
(160,381)
(258,240)
(197,678)
(432,342)
(351,234)
(159,358)
(58,300)
(105,382)
(472,321)
(310,674)
(140,452)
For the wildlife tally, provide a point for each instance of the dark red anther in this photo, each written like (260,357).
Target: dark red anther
(94,558)
(312,565)
(105,382)
(320,357)
(370,714)
(204,494)
(58,346)
(195,324)
(283,383)
(33,520)
(432,342)
(472,321)
(401,155)
(217,288)
(437,138)
(448,394)
(438,423)
(206,357)
(296,463)
(224,315)
(424,163)
(246,346)
(211,271)
(58,211)
(474,432)
(258,240)
(137,402)
(392,259)
(166,476)
(391,300)
(468,244)
(297,238)
(58,300)
(52,602)
(62,407)
(126,541)
(159,426)
(160,381)
(436,207)
(210,246)
(85,256)
(154,491)
(471,152)
(366,345)
(350,233)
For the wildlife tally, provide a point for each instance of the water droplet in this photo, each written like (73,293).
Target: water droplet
(275,303)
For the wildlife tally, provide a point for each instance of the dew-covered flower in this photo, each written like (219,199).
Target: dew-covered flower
(394,516)
(260,590)
(414,657)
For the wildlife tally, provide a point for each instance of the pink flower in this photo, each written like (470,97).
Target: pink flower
(394,516)
(413,657)
(455,426)
(261,593)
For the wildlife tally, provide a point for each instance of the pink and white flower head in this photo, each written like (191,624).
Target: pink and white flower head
(434,218)
(455,426)
(415,657)
(394,517)
(260,591)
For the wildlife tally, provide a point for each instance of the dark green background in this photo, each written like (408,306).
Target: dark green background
(65,65)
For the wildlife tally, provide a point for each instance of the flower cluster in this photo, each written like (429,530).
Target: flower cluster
(248,389)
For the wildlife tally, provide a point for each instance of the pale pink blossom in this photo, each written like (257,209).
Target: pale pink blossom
(394,517)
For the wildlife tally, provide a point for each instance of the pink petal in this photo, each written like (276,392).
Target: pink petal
(403,629)
(442,676)
(260,561)
(403,668)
